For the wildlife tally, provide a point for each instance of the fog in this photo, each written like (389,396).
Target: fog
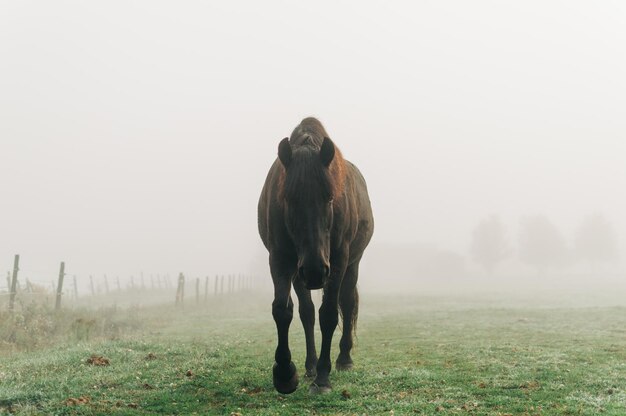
(136,136)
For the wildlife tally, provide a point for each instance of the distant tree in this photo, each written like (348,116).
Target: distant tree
(541,244)
(596,241)
(489,245)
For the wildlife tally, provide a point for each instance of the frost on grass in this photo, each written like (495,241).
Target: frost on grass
(588,400)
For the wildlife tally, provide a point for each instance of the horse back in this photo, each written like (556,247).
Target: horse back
(361,215)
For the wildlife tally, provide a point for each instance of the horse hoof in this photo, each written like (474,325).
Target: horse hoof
(315,389)
(288,384)
(343,366)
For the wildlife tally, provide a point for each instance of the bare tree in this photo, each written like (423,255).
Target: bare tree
(541,244)
(596,241)
(489,245)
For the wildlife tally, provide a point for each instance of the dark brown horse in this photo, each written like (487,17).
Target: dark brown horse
(315,220)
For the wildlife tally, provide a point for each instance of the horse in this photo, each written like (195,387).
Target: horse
(315,219)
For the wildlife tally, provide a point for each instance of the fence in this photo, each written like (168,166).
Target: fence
(64,287)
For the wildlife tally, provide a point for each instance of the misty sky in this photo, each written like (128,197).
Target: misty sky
(136,135)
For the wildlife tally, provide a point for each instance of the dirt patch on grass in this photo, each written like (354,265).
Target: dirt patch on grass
(98,360)
(76,401)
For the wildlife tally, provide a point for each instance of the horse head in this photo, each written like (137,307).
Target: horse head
(307,199)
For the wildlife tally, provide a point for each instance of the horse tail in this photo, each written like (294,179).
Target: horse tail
(355,311)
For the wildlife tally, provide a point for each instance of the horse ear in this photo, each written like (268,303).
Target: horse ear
(284,152)
(327,152)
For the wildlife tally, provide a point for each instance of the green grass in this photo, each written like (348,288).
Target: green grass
(414,355)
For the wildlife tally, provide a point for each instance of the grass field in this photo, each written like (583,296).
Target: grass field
(415,355)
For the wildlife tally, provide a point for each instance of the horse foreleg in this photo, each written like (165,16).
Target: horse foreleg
(307,316)
(285,375)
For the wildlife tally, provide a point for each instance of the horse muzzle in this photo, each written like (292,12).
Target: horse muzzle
(314,277)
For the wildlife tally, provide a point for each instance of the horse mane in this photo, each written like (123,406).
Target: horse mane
(337,170)
(306,141)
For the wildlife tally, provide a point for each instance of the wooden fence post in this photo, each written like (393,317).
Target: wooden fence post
(215,288)
(75,288)
(16,266)
(197,290)
(206,288)
(222,285)
(57,305)
(180,290)
(177,293)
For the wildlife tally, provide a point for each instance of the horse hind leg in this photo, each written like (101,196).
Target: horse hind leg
(307,316)
(349,307)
